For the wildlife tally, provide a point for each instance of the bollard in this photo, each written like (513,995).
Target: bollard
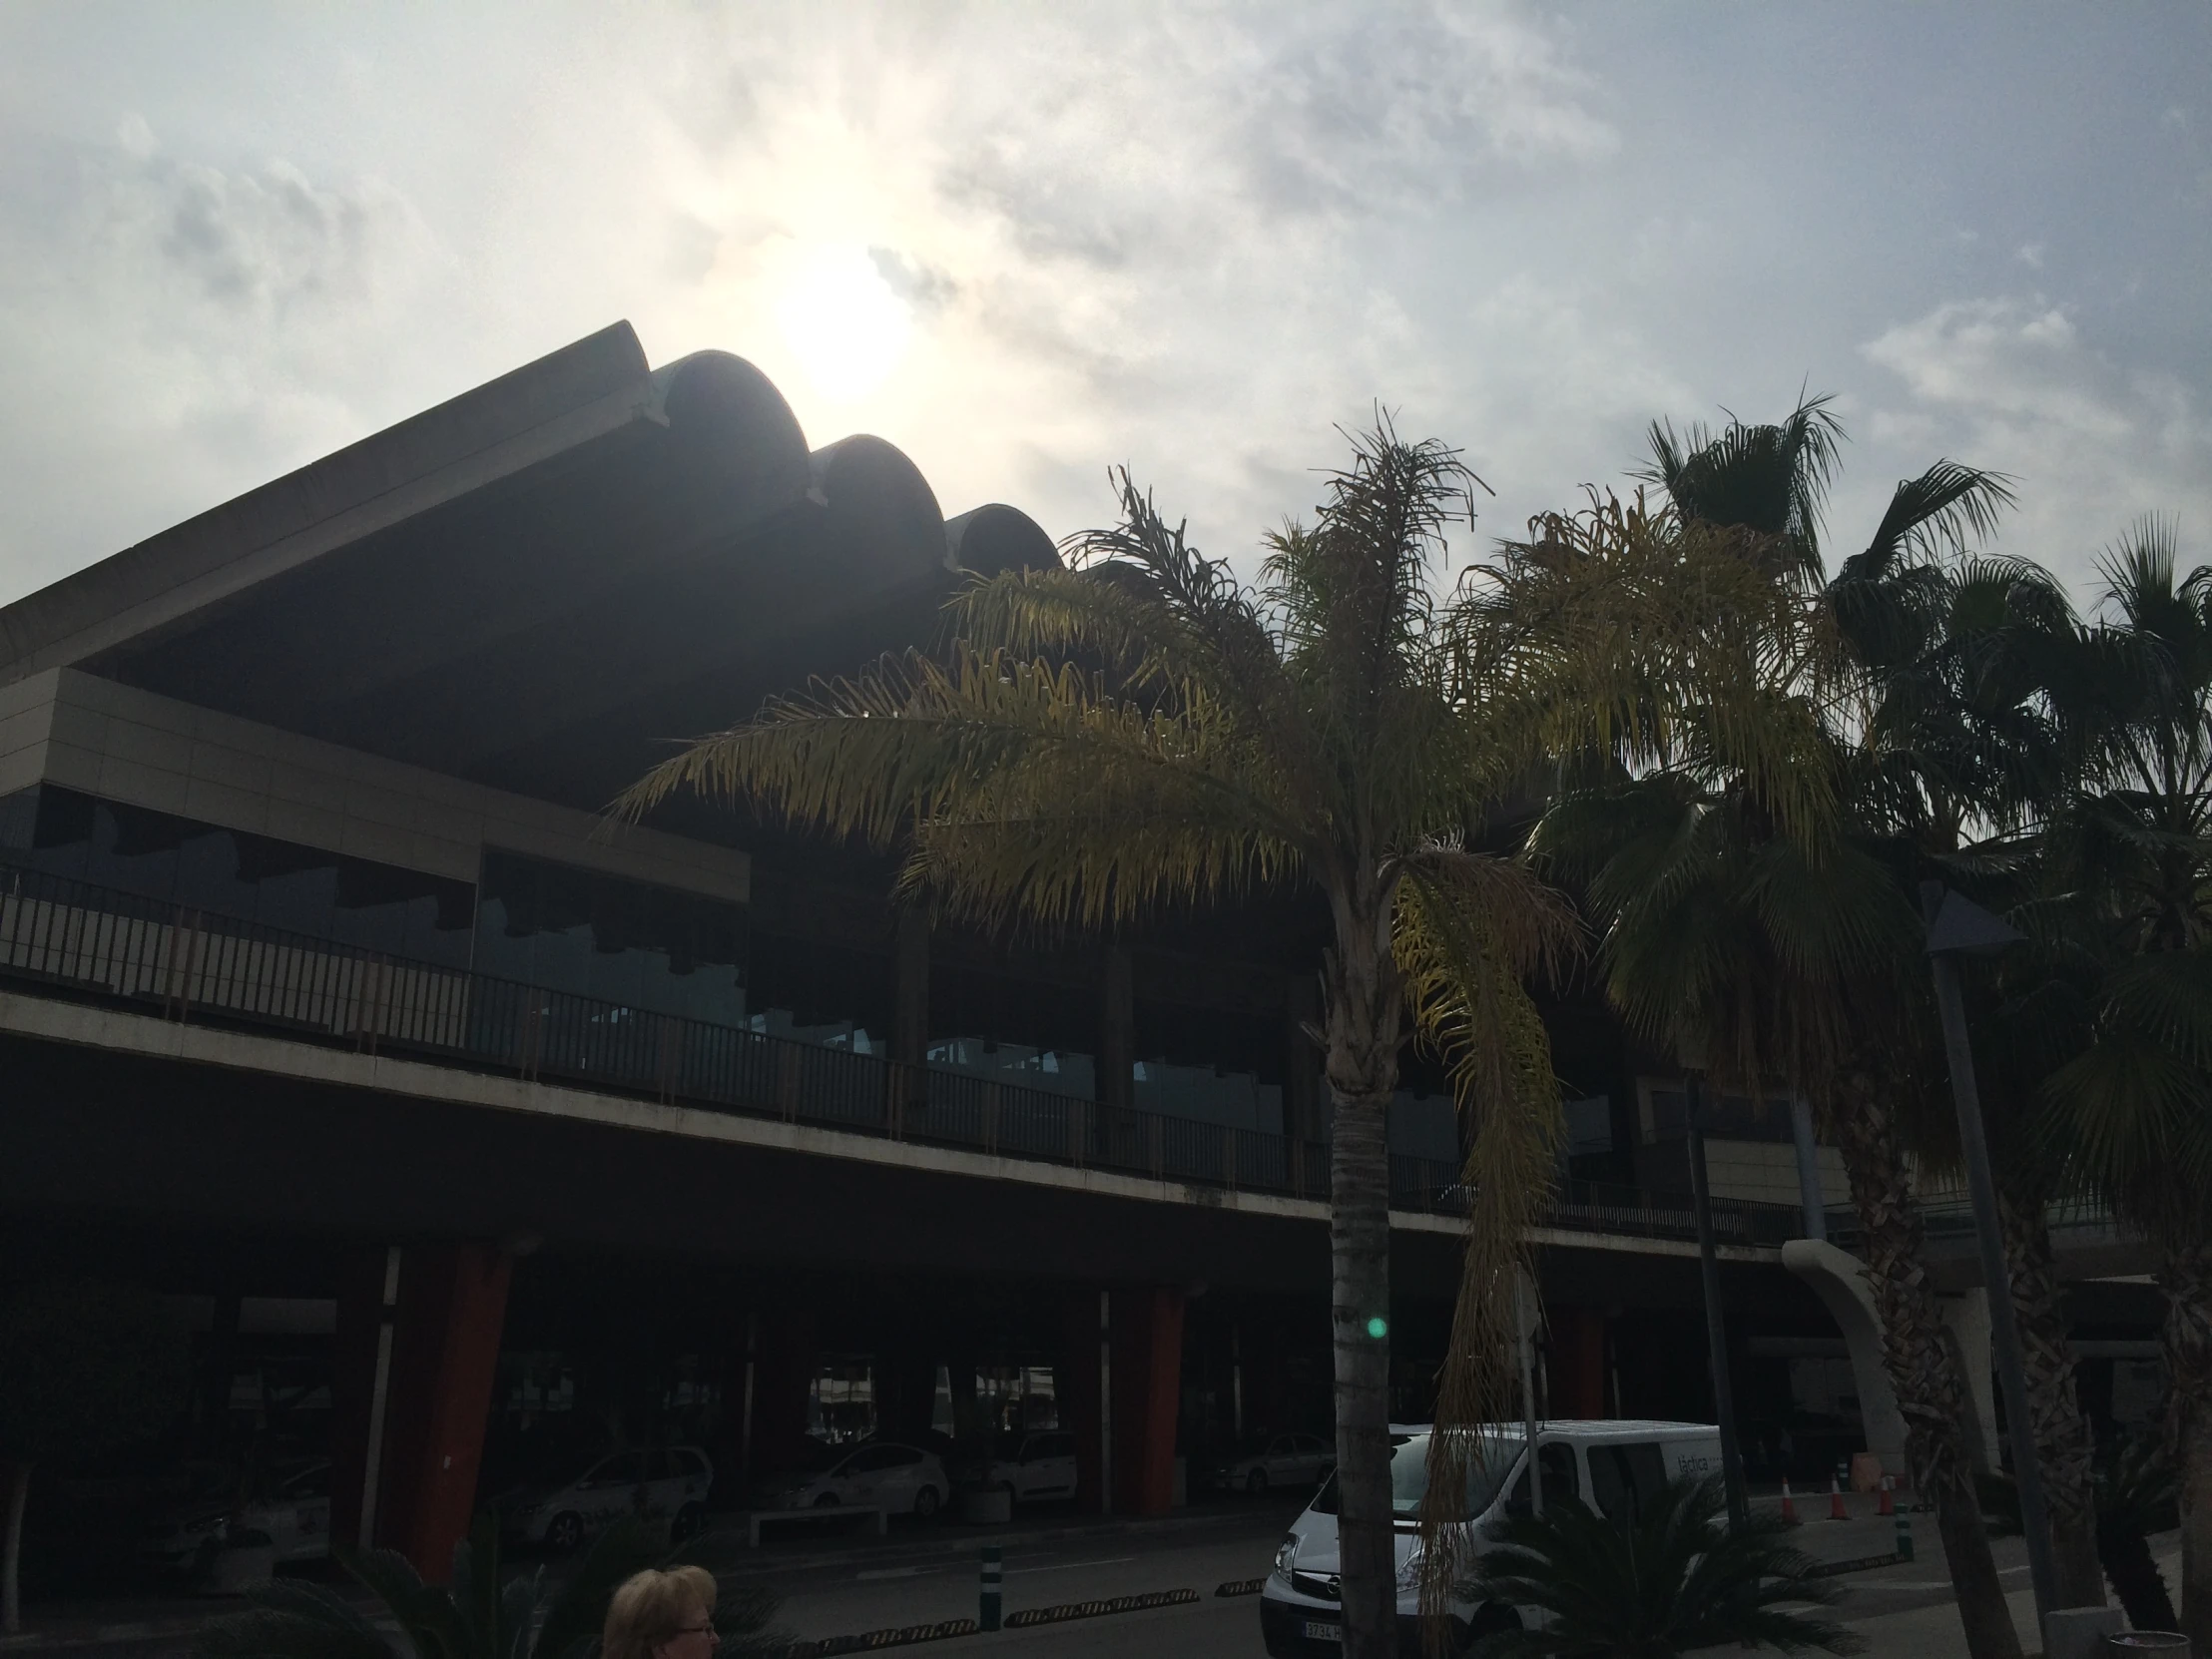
(987,1617)
(1789,1504)
(1904,1536)
(1888,1504)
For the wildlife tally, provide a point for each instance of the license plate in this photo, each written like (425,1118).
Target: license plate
(1315,1631)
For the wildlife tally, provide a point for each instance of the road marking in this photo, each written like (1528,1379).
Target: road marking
(1070,1566)
(894,1572)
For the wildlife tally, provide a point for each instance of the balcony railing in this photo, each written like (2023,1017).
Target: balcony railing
(76,939)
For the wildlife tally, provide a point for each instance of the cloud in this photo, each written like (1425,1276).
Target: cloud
(2011,384)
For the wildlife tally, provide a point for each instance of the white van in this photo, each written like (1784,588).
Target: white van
(1611,1465)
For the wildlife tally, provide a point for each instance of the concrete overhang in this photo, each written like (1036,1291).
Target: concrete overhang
(538,583)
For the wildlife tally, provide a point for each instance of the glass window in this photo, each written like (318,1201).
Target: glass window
(819,990)
(1626,1478)
(229,873)
(1029,1032)
(1560,1481)
(624,1469)
(1210,1065)
(610,939)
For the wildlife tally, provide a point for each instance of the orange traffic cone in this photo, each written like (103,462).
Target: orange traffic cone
(1789,1504)
(1835,1510)
(1888,1503)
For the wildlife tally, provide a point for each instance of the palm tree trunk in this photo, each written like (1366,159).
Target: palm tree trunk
(1359,1246)
(2186,1277)
(2064,1448)
(1364,1011)
(1920,1361)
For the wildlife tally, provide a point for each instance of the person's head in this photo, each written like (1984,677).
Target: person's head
(662,1615)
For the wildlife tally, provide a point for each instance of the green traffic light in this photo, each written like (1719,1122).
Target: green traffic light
(1379,1326)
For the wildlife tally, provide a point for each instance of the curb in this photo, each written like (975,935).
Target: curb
(1861,1563)
(903,1636)
(1095,1609)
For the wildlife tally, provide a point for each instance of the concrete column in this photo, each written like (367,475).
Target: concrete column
(910,992)
(785,1360)
(1147,1388)
(1302,1095)
(1075,1380)
(1812,1202)
(906,1390)
(1967,1322)
(412,1382)
(1117,1031)
(1838,1279)
(1577,1362)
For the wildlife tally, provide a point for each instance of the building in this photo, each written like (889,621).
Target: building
(472,1132)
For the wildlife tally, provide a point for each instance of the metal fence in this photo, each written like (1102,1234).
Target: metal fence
(73,939)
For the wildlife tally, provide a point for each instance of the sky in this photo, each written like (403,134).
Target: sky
(1028,242)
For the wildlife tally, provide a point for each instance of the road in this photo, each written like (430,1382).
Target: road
(833,1588)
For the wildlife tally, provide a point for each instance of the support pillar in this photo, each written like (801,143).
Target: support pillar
(784,1368)
(1117,1031)
(911,988)
(1075,1384)
(1147,1388)
(1838,1279)
(1577,1366)
(417,1360)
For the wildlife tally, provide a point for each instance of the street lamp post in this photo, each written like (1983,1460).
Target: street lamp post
(1959,928)
(1716,1322)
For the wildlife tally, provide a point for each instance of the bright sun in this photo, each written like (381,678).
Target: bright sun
(842,320)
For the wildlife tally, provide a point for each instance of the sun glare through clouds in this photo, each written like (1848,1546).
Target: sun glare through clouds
(841,321)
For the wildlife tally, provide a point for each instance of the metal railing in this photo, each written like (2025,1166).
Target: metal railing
(73,939)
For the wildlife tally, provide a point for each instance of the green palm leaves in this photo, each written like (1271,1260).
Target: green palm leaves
(1673,1579)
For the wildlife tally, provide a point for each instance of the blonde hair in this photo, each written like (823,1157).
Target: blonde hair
(652,1606)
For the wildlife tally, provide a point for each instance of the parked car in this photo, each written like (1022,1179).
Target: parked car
(293,1515)
(900,1480)
(1293,1461)
(1613,1466)
(661,1483)
(1041,1464)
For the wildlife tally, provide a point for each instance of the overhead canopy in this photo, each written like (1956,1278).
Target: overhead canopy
(540,583)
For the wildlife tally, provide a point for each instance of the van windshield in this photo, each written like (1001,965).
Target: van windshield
(1490,1458)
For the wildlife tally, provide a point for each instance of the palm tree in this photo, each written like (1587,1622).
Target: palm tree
(1655,1585)
(1145,727)
(2136,844)
(1781,950)
(483,1613)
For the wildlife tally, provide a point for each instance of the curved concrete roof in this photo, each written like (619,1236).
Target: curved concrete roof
(537,582)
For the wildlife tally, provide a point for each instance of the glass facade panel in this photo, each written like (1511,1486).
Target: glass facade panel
(1027,1032)
(820,991)
(1210,1065)
(611,939)
(302,889)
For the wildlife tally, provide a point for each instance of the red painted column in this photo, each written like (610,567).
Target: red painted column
(1147,1388)
(414,1364)
(444,1366)
(1578,1363)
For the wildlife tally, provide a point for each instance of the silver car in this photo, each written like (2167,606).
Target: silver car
(664,1484)
(899,1479)
(1290,1462)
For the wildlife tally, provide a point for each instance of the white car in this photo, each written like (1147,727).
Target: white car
(1293,1461)
(295,1517)
(1043,1465)
(899,1479)
(663,1484)
(1611,1465)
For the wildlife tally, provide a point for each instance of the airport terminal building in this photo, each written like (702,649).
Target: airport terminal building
(472,1135)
